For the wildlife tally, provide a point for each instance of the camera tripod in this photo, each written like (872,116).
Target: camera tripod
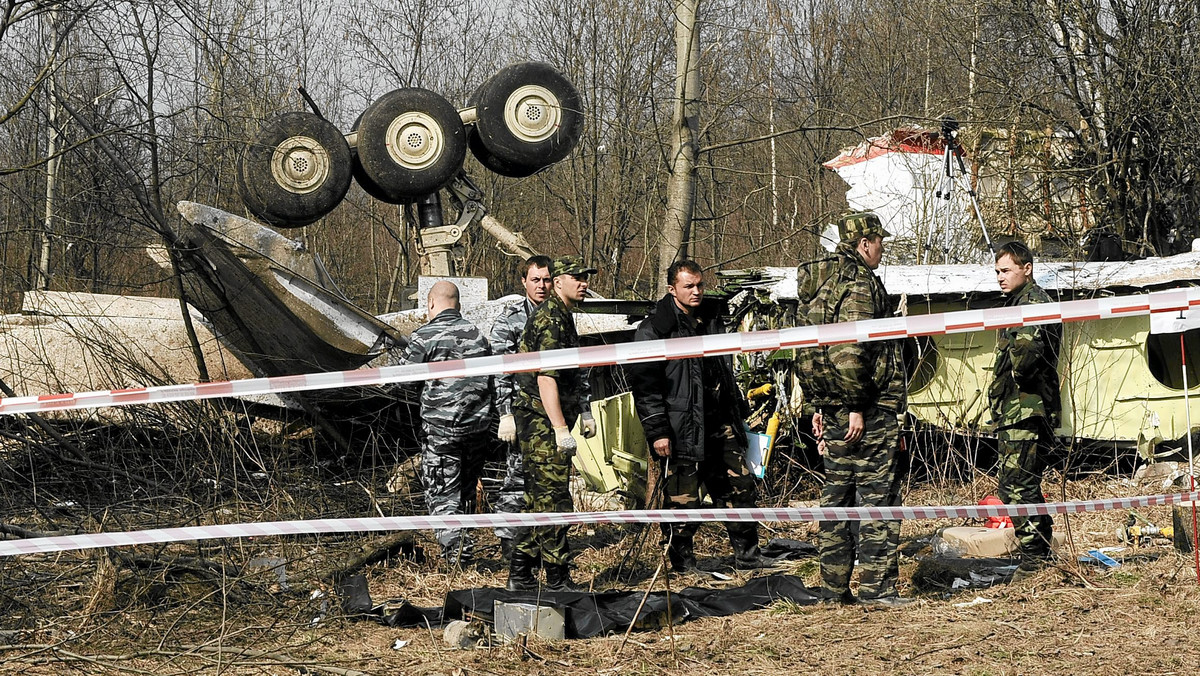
(952,155)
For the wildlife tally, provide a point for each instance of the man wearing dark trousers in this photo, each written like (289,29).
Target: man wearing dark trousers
(692,413)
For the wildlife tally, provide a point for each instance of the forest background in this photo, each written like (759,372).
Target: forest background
(178,87)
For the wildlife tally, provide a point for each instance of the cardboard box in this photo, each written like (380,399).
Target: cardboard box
(978,542)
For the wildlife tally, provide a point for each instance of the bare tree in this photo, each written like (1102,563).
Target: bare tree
(685,123)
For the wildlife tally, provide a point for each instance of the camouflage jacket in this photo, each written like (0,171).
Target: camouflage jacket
(506,339)
(551,327)
(855,375)
(451,406)
(1025,378)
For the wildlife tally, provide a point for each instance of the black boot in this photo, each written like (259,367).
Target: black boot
(458,554)
(558,578)
(506,548)
(520,572)
(746,555)
(683,558)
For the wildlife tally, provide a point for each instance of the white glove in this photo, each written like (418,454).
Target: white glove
(566,442)
(508,429)
(587,425)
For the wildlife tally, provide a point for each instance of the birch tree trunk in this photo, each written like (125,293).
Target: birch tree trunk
(685,122)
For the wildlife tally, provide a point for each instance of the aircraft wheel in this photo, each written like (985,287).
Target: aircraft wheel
(295,171)
(360,175)
(411,142)
(528,116)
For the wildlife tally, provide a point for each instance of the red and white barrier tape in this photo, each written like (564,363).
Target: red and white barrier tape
(766,514)
(625,353)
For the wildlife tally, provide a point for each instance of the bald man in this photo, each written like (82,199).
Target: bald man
(455,416)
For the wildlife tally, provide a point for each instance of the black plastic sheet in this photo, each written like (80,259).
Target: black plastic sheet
(598,614)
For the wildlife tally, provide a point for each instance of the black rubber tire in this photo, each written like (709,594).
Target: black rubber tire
(435,144)
(500,103)
(295,171)
(360,175)
(491,162)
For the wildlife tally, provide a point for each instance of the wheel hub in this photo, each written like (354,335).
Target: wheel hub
(532,113)
(414,140)
(300,165)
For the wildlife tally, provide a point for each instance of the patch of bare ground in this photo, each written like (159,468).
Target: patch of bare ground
(217,607)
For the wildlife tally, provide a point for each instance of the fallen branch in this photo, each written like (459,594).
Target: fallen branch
(206,568)
(9,529)
(45,426)
(952,646)
(278,658)
(638,612)
(371,552)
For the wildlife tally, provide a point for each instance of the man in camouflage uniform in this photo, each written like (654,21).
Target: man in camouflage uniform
(506,339)
(455,415)
(859,393)
(693,415)
(1024,398)
(546,407)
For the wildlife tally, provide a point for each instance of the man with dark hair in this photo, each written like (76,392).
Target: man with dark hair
(692,413)
(455,414)
(547,405)
(1025,402)
(859,393)
(506,339)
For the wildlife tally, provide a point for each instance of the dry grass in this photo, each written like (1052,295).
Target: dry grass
(131,612)
(1074,618)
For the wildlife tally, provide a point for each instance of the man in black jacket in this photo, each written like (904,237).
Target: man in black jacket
(692,413)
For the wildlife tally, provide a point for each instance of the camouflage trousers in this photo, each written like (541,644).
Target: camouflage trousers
(1022,462)
(547,472)
(723,475)
(511,498)
(869,472)
(450,470)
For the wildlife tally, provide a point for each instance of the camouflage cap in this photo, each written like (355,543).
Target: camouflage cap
(571,265)
(858,224)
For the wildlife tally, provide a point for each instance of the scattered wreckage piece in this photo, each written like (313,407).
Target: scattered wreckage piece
(897,177)
(272,300)
(905,177)
(274,305)
(80,342)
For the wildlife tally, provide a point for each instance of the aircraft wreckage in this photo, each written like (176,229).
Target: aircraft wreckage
(1122,378)
(264,306)
(278,312)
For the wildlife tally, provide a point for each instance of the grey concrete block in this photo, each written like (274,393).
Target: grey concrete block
(513,619)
